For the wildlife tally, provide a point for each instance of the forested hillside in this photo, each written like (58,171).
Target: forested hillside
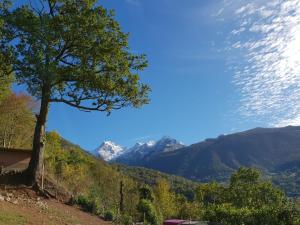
(178,184)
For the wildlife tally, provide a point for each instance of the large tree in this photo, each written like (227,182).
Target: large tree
(71,52)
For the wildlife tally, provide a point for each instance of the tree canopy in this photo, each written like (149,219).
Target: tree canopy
(77,50)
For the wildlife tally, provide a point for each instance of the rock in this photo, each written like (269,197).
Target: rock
(42,205)
(8,195)
(1,198)
(15,202)
(7,199)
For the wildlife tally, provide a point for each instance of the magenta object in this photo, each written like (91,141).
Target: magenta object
(174,222)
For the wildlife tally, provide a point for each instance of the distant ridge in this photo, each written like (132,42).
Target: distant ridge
(270,149)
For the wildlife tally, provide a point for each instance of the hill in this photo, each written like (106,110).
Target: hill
(179,185)
(276,151)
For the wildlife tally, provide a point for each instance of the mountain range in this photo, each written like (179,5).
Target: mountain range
(139,153)
(273,150)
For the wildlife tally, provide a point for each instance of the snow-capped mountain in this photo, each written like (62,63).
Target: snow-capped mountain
(137,154)
(108,151)
(142,152)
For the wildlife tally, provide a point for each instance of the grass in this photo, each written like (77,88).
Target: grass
(8,218)
(62,216)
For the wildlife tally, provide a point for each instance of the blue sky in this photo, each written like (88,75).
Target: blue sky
(215,67)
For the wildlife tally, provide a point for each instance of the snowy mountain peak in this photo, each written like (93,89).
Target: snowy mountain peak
(150,143)
(108,150)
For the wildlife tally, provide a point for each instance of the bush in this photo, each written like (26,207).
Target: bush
(126,220)
(109,215)
(85,203)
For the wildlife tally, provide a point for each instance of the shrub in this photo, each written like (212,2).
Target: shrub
(85,203)
(109,215)
(126,220)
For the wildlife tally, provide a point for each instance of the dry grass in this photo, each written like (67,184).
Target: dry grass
(12,218)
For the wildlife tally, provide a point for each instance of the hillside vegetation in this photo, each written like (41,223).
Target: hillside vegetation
(152,196)
(178,184)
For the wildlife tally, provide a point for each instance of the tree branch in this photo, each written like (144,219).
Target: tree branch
(51,8)
(68,63)
(84,108)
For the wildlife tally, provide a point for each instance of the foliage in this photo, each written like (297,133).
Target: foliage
(91,181)
(109,215)
(165,199)
(146,193)
(246,189)
(16,121)
(5,86)
(148,212)
(179,185)
(126,220)
(188,210)
(6,76)
(73,52)
(211,193)
(85,203)
(247,200)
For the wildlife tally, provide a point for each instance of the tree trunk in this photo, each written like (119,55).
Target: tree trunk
(121,197)
(35,164)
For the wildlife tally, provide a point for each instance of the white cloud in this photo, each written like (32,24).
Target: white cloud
(268,80)
(246,9)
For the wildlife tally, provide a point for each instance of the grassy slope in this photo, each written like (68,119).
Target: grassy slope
(55,214)
(8,217)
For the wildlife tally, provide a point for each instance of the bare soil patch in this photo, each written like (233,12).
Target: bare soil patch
(22,206)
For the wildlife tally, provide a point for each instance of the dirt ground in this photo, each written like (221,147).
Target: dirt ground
(24,207)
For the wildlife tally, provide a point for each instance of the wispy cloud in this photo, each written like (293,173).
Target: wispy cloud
(267,35)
